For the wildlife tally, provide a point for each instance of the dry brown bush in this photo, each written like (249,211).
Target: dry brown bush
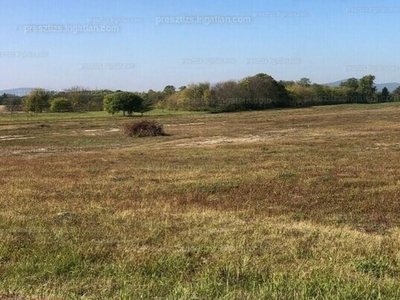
(144,128)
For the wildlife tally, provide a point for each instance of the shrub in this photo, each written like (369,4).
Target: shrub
(60,105)
(144,128)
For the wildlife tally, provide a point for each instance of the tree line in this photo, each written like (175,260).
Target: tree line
(257,92)
(263,92)
(79,99)
(74,99)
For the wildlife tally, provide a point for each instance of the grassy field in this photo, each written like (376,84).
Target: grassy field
(280,204)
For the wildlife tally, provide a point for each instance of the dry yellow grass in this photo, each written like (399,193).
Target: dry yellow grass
(283,204)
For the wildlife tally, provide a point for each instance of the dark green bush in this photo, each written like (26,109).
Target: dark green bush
(60,105)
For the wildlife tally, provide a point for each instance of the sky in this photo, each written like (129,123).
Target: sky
(137,45)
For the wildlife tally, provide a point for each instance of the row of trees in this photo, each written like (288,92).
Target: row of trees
(257,92)
(251,93)
(75,99)
(262,92)
(78,99)
(351,91)
(11,102)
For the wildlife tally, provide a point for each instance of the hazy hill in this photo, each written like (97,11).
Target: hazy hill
(391,86)
(17,91)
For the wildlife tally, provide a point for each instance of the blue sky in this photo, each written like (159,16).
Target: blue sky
(151,44)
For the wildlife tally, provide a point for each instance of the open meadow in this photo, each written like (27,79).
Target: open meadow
(278,204)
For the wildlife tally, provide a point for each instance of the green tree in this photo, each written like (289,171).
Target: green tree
(319,94)
(262,91)
(37,101)
(367,88)
(169,90)
(126,102)
(226,96)
(351,83)
(61,105)
(12,103)
(384,95)
(152,97)
(306,82)
(94,99)
(197,96)
(111,104)
(396,94)
(301,95)
(2,98)
(350,91)
(147,105)
(78,96)
(287,83)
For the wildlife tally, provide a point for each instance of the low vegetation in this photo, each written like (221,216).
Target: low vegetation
(258,92)
(277,204)
(144,128)
(61,105)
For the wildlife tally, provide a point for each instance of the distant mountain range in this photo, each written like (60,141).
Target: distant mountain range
(391,86)
(18,91)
